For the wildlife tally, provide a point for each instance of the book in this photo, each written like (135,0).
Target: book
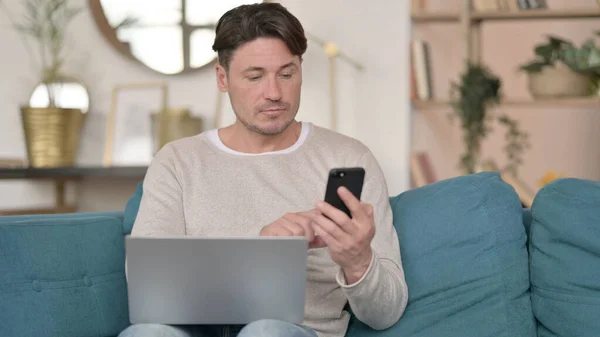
(420,65)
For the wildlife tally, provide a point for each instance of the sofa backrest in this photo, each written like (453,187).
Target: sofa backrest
(464,250)
(463,246)
(132,207)
(462,242)
(62,275)
(565,258)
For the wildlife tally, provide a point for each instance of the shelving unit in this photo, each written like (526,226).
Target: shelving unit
(470,23)
(471,20)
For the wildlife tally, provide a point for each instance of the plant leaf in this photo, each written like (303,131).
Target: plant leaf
(545,51)
(534,67)
(558,42)
(593,58)
(33,31)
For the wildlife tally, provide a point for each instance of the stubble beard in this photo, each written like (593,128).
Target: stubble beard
(267,131)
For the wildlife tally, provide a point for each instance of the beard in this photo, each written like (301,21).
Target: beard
(266,131)
(279,124)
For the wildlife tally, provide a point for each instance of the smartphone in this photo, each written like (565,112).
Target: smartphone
(352,178)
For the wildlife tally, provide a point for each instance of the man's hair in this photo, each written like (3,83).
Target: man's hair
(246,23)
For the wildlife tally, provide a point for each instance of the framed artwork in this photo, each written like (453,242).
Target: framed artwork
(129,130)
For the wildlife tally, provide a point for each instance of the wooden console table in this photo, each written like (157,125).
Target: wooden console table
(60,176)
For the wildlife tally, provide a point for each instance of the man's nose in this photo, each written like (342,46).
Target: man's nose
(273,90)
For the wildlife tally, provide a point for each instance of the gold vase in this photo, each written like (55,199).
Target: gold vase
(51,135)
(174,124)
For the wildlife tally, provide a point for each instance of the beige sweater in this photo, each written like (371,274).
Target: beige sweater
(197,186)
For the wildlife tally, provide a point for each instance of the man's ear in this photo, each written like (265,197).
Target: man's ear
(221,78)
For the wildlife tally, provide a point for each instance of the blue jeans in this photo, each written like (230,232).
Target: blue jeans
(260,328)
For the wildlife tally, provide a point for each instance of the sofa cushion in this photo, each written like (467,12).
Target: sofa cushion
(62,275)
(132,207)
(565,258)
(464,255)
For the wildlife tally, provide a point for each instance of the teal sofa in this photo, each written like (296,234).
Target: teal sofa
(477,265)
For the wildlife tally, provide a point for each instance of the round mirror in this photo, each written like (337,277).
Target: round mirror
(168,36)
(67,94)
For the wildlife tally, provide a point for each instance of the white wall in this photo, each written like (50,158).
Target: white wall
(373,105)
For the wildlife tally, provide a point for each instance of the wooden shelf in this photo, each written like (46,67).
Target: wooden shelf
(427,105)
(60,176)
(585,102)
(441,16)
(591,102)
(593,12)
(71,173)
(435,17)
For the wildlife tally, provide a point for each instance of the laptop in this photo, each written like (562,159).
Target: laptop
(207,280)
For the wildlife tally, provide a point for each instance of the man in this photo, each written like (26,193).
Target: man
(265,175)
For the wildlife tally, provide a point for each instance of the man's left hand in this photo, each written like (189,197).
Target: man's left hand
(348,239)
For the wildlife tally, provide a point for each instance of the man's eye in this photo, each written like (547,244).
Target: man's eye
(286,75)
(254,78)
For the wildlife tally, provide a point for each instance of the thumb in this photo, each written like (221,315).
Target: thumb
(317,242)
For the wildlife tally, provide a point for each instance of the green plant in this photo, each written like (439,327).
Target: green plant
(46,22)
(584,59)
(472,97)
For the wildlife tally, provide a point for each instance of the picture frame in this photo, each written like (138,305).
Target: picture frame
(130,140)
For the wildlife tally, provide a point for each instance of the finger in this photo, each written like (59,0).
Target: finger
(353,203)
(324,236)
(317,242)
(304,222)
(338,217)
(292,227)
(331,228)
(279,230)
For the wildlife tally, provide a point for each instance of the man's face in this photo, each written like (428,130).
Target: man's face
(264,83)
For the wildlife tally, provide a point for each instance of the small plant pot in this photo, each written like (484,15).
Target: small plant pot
(51,135)
(558,82)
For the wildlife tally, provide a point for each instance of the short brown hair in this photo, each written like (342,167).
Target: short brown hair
(246,23)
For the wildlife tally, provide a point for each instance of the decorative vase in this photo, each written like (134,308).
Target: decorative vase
(51,135)
(558,82)
(174,124)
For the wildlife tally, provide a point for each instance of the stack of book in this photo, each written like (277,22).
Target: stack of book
(508,5)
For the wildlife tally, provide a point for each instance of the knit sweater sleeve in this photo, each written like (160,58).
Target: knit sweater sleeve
(379,298)
(161,207)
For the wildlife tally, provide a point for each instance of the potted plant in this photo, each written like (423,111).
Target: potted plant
(472,100)
(51,132)
(561,69)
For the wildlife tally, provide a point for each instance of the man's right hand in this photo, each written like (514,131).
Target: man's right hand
(294,224)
